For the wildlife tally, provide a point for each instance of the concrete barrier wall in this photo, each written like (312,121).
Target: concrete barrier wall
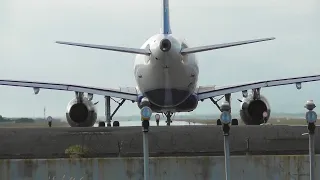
(194,168)
(163,141)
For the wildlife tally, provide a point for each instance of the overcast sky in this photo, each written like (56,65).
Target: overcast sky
(30,28)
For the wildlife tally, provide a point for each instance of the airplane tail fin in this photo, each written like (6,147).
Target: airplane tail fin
(166,29)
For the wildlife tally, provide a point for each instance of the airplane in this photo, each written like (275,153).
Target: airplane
(166,72)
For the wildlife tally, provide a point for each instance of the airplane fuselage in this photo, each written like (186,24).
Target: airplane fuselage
(166,69)
(167,78)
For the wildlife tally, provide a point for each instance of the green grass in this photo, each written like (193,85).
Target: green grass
(38,124)
(44,124)
(77,151)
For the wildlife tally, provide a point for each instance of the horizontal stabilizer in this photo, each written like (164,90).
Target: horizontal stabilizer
(110,48)
(219,46)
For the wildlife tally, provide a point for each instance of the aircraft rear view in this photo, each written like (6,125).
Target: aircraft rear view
(166,69)
(166,72)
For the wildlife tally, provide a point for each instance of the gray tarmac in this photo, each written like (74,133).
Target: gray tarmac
(163,141)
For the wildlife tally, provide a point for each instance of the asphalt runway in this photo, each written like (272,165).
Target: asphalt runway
(163,141)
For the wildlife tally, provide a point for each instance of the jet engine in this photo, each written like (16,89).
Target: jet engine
(81,112)
(251,110)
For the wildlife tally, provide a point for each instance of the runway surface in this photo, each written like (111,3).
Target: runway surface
(163,141)
(153,123)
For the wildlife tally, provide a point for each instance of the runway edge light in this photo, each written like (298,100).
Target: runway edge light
(146,113)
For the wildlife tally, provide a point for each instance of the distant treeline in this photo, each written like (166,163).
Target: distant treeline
(16,120)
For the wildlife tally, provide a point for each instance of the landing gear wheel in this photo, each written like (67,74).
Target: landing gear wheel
(102,124)
(168,115)
(219,122)
(116,124)
(235,122)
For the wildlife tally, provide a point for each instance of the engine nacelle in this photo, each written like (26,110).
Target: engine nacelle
(82,113)
(251,111)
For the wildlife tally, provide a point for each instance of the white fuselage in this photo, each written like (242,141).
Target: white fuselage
(166,78)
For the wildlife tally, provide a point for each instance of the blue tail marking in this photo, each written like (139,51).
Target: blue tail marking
(166,19)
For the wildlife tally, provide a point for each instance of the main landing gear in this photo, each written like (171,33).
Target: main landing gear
(228,99)
(108,112)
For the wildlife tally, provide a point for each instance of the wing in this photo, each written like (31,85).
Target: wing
(110,48)
(207,92)
(128,93)
(219,46)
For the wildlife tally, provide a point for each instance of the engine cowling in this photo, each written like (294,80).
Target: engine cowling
(82,113)
(251,110)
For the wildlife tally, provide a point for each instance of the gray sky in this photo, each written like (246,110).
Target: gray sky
(30,28)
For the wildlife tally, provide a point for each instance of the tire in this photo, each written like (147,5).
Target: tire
(219,122)
(102,124)
(235,122)
(116,124)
